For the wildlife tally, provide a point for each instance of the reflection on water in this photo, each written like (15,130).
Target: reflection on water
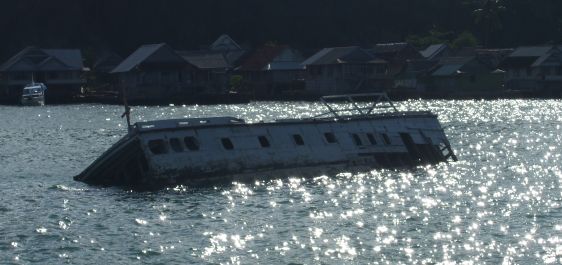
(501,203)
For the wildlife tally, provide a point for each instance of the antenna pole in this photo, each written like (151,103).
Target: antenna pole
(127,112)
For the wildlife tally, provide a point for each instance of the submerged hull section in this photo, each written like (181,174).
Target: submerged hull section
(192,151)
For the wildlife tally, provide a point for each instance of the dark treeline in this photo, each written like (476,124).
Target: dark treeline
(123,25)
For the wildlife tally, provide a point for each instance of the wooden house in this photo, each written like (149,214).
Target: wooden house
(411,80)
(272,71)
(212,70)
(463,76)
(534,69)
(156,73)
(61,70)
(100,78)
(344,70)
(397,55)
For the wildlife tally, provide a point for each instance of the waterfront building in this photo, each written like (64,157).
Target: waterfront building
(535,69)
(61,70)
(155,73)
(272,71)
(340,70)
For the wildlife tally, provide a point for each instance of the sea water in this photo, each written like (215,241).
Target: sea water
(500,203)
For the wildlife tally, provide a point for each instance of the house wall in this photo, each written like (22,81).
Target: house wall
(466,84)
(62,86)
(157,83)
(343,78)
(534,78)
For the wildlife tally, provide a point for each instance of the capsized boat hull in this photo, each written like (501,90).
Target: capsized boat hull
(212,150)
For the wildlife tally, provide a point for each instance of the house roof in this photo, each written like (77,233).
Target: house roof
(460,65)
(106,62)
(156,53)
(267,58)
(137,57)
(37,59)
(549,59)
(450,66)
(224,43)
(340,55)
(259,59)
(526,56)
(205,59)
(390,47)
(536,51)
(433,50)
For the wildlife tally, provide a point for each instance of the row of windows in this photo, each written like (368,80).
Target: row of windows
(191,143)
(371,138)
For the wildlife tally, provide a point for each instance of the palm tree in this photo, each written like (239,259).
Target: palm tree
(488,17)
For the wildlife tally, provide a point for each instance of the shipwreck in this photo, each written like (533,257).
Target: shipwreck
(356,130)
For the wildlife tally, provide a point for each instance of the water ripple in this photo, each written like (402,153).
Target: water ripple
(501,203)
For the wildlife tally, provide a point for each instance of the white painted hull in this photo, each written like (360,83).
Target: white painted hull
(39,101)
(158,153)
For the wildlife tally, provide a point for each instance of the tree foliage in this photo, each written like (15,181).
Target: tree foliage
(123,25)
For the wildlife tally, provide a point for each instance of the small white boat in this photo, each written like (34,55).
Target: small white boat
(33,94)
(203,150)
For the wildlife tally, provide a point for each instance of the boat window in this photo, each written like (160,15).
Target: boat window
(157,147)
(263,141)
(356,139)
(298,139)
(175,143)
(386,138)
(227,144)
(191,143)
(371,138)
(330,138)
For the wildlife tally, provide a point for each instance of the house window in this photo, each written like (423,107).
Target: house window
(386,139)
(175,143)
(298,139)
(330,138)
(157,147)
(227,144)
(356,139)
(191,143)
(371,138)
(263,141)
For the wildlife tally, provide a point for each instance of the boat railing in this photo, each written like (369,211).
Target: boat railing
(185,123)
(356,105)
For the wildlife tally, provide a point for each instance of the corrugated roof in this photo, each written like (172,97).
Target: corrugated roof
(224,43)
(69,59)
(448,69)
(205,59)
(339,55)
(259,59)
(549,59)
(390,47)
(433,50)
(285,66)
(137,57)
(269,58)
(450,65)
(536,51)
(106,62)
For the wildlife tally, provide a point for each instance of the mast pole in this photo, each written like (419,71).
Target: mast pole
(127,112)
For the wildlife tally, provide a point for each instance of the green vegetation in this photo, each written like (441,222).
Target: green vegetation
(123,25)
